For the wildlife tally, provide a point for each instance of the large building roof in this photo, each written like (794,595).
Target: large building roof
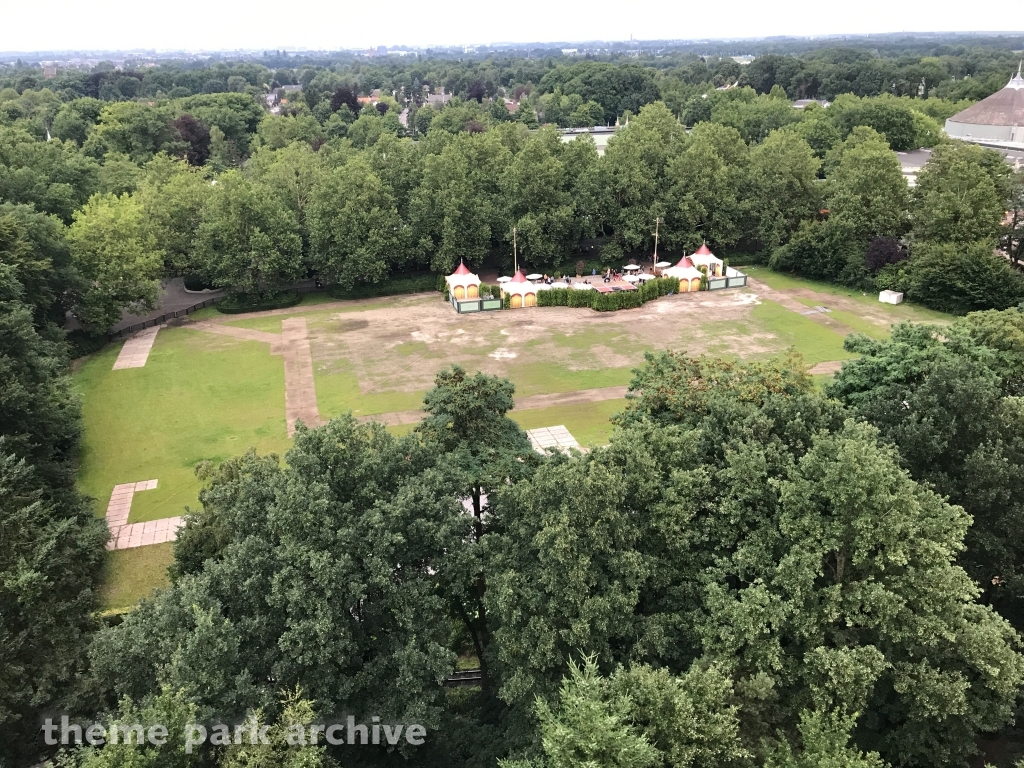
(1004,107)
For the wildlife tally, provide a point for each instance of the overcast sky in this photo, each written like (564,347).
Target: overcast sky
(318,24)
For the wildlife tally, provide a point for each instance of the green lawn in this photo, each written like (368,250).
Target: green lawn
(815,342)
(198,397)
(132,574)
(906,311)
(338,391)
(865,325)
(546,378)
(589,423)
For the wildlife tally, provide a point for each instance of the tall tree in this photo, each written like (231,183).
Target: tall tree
(51,544)
(466,422)
(118,258)
(958,196)
(781,183)
(355,230)
(867,188)
(321,573)
(706,178)
(248,241)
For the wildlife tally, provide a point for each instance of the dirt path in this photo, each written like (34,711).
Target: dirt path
(245,334)
(299,388)
(832,366)
(533,402)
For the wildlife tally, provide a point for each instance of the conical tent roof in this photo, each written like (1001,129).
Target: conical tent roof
(703,250)
(462,269)
(1004,107)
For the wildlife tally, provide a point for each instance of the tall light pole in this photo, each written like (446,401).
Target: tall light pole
(657,220)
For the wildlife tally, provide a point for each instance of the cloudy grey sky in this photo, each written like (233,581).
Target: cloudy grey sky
(319,24)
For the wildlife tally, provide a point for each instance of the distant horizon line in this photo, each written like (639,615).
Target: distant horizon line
(501,45)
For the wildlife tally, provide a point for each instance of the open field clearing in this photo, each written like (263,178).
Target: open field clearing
(214,385)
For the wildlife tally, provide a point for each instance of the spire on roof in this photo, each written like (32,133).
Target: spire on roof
(462,269)
(1017,82)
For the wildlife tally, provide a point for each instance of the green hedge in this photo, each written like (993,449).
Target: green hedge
(243,302)
(608,302)
(390,287)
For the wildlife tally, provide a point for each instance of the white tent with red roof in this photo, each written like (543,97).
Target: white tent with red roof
(463,284)
(703,257)
(689,276)
(521,292)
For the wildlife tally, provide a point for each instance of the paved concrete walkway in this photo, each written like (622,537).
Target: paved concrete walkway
(127,536)
(135,351)
(558,437)
(299,388)
(533,402)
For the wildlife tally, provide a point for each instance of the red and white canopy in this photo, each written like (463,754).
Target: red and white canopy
(462,277)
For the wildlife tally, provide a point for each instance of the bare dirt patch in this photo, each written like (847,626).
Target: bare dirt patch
(400,347)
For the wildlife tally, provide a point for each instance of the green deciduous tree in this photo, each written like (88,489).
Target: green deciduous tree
(706,187)
(248,241)
(957,277)
(781,189)
(536,189)
(958,197)
(866,188)
(947,399)
(325,578)
(467,424)
(355,230)
(51,545)
(456,211)
(117,257)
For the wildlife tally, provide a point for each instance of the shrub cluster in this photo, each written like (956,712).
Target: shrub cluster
(390,287)
(259,302)
(608,302)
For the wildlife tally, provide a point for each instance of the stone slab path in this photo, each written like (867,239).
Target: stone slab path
(533,402)
(299,388)
(135,351)
(128,536)
(557,437)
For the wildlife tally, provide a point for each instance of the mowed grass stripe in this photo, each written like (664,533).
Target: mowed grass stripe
(198,397)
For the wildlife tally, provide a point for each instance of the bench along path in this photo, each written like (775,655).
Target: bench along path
(135,351)
(125,535)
